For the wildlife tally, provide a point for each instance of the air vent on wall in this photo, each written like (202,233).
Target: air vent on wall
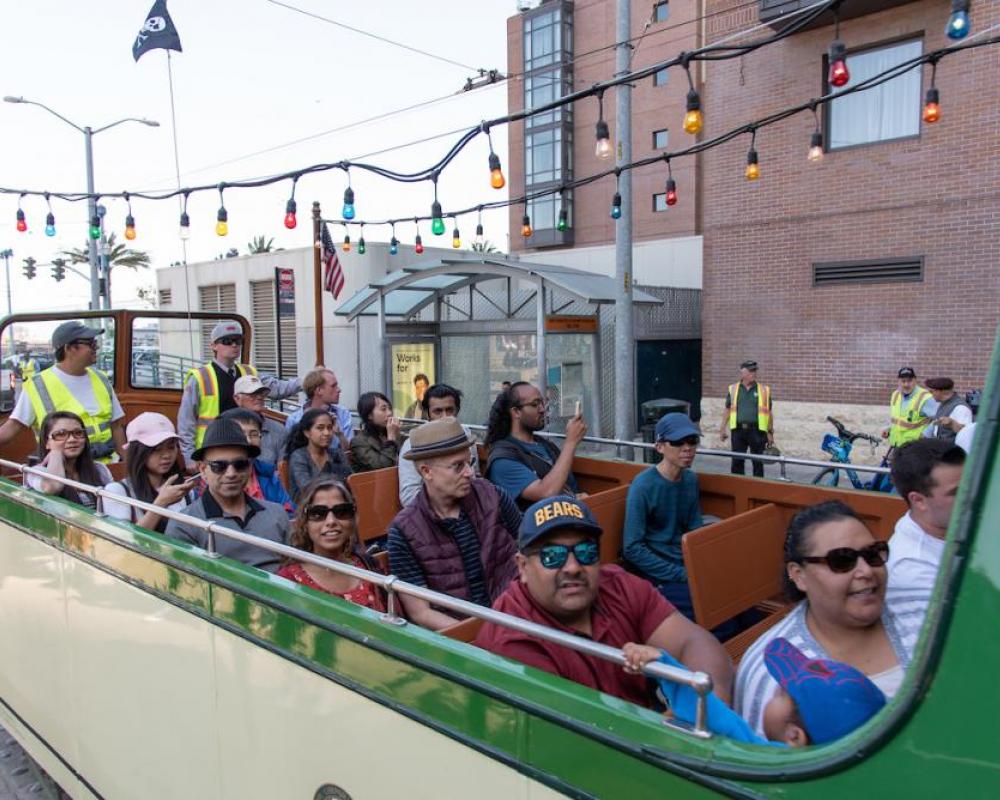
(883,270)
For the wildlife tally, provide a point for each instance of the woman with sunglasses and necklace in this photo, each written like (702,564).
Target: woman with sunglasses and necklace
(310,453)
(326,524)
(836,570)
(64,451)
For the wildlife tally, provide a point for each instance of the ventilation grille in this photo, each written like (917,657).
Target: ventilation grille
(166,297)
(884,270)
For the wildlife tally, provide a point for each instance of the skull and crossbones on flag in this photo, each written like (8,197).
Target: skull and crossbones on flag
(157,32)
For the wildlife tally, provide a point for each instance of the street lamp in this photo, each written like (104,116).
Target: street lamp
(88,134)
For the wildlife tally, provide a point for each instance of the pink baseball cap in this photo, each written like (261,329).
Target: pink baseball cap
(150,428)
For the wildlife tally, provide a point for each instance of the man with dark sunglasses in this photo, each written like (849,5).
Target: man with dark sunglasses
(209,389)
(224,460)
(562,585)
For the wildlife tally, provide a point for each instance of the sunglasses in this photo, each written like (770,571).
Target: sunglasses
(62,436)
(844,559)
(554,556)
(341,511)
(230,340)
(219,466)
(690,441)
(91,343)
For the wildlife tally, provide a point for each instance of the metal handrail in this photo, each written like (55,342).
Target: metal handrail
(700,682)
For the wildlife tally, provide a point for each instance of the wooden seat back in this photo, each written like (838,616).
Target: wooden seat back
(464,630)
(608,508)
(377,494)
(734,564)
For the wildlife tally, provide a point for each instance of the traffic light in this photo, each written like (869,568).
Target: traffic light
(58,268)
(29,267)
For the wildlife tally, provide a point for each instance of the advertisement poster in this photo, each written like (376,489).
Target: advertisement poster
(413,370)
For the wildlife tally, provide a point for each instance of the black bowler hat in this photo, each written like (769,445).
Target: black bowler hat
(225,433)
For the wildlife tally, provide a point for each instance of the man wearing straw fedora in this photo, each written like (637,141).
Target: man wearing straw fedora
(458,536)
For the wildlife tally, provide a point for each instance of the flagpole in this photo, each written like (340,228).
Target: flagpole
(318,283)
(180,201)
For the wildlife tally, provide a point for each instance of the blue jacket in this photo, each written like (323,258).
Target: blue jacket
(270,484)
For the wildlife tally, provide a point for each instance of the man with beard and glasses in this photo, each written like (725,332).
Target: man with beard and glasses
(529,467)
(457,537)
(562,585)
(224,460)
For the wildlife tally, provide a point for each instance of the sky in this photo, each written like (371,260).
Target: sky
(254,75)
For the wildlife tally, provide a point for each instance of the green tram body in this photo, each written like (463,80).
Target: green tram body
(133,666)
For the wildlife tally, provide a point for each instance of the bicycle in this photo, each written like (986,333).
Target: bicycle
(839,447)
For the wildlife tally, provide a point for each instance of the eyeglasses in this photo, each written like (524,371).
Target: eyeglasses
(458,467)
(62,436)
(554,556)
(341,511)
(537,403)
(91,343)
(252,436)
(219,466)
(230,340)
(843,559)
(690,441)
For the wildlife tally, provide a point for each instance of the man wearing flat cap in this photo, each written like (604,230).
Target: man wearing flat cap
(952,412)
(748,418)
(72,384)
(457,536)
(208,390)
(909,410)
(561,584)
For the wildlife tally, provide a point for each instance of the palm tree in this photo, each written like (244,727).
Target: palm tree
(119,255)
(260,245)
(486,247)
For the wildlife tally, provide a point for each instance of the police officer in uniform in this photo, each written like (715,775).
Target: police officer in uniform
(748,418)
(208,390)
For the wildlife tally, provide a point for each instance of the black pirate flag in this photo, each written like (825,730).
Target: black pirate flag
(157,32)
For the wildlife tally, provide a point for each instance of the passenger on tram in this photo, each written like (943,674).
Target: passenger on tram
(310,451)
(376,445)
(250,393)
(530,468)
(662,505)
(224,460)
(327,525)
(154,475)
(563,585)
(836,569)
(209,389)
(457,537)
(72,384)
(64,451)
(818,701)
(323,391)
(265,482)
(440,401)
(926,473)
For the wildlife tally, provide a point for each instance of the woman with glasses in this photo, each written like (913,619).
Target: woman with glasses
(310,454)
(154,475)
(836,572)
(327,525)
(64,451)
(376,445)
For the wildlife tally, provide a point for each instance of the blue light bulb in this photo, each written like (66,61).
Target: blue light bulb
(958,24)
(50,225)
(393,246)
(348,211)
(616,206)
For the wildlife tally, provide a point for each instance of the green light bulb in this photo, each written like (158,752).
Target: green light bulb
(437,223)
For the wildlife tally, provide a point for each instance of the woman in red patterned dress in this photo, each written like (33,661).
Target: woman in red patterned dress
(326,524)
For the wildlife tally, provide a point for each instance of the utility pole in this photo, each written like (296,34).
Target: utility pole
(95,290)
(6,255)
(624,330)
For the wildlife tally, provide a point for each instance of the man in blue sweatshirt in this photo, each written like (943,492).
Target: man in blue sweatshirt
(662,506)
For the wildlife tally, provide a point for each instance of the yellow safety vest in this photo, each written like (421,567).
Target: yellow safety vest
(763,406)
(208,395)
(28,370)
(48,393)
(907,426)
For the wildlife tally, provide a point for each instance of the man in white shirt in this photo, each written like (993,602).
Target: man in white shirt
(952,412)
(926,473)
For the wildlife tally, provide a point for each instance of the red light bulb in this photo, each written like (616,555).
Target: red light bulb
(290,221)
(671,192)
(22,225)
(839,74)
(932,106)
(418,246)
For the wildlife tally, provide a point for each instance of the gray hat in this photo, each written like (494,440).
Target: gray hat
(225,433)
(227,328)
(71,331)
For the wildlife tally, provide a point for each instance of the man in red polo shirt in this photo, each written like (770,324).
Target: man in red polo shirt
(562,585)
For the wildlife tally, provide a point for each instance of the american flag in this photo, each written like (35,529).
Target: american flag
(333,273)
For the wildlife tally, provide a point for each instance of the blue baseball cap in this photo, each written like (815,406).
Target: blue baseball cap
(675,426)
(833,699)
(553,513)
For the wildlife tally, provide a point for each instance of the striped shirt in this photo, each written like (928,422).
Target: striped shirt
(902,616)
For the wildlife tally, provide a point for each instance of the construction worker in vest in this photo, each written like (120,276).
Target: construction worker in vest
(910,410)
(208,390)
(72,384)
(27,367)
(748,418)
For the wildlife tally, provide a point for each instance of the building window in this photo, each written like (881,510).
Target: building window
(661,11)
(660,77)
(660,201)
(661,139)
(888,111)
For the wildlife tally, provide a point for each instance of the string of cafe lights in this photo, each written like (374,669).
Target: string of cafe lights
(957,28)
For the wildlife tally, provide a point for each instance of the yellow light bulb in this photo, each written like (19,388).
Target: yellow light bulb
(693,121)
(815,153)
(456,242)
(603,149)
(221,228)
(497,180)
(752,172)
(130,232)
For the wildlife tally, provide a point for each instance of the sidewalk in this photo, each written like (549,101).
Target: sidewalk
(20,777)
